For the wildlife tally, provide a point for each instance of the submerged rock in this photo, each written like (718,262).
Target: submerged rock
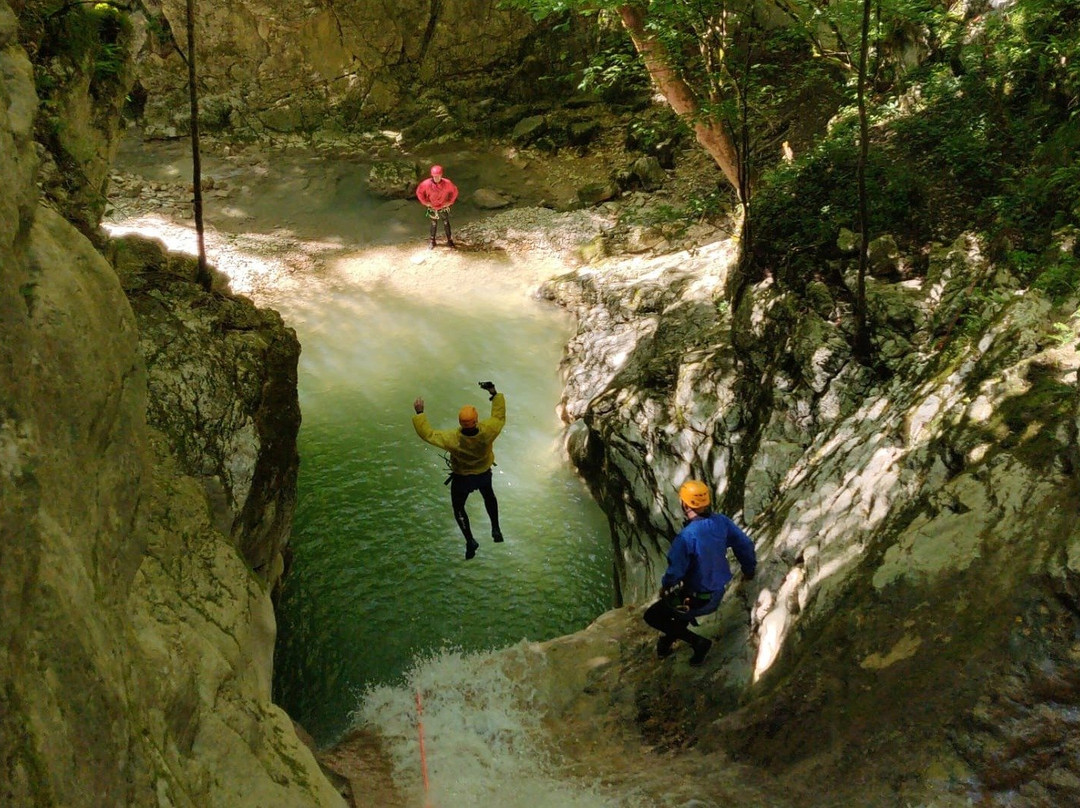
(393,179)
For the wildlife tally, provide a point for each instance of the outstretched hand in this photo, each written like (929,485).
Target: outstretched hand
(418,405)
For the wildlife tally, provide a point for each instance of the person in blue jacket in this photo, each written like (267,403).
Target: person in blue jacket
(698,572)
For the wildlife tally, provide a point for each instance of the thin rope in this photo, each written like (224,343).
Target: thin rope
(423,754)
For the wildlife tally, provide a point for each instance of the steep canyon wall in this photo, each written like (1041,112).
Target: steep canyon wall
(136,640)
(270,67)
(916,520)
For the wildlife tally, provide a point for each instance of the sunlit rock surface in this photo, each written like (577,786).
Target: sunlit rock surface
(222,387)
(915,608)
(135,642)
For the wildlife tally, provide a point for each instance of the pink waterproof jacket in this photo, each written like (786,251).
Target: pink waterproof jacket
(437,195)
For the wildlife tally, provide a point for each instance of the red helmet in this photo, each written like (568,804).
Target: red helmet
(436,171)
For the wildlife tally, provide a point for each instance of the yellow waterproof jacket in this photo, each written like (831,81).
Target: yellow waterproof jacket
(469,454)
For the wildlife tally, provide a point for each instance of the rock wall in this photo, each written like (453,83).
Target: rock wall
(83,60)
(222,384)
(917,521)
(288,67)
(135,642)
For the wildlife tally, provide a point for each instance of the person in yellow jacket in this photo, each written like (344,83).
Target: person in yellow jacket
(472,455)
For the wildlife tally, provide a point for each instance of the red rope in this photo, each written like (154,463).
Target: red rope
(423,755)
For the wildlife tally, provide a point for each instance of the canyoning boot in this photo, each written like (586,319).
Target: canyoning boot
(432,246)
(450,243)
(470,548)
(665,646)
(496,536)
(701,650)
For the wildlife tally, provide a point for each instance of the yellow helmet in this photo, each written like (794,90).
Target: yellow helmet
(695,494)
(468,416)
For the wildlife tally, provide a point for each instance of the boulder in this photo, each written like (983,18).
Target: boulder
(596,193)
(648,173)
(883,257)
(528,130)
(919,514)
(489,199)
(583,132)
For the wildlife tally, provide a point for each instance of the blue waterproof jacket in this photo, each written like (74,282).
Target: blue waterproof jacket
(698,558)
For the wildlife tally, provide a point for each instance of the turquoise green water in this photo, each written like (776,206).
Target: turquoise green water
(379,574)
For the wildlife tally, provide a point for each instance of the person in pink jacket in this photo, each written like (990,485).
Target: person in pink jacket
(437,193)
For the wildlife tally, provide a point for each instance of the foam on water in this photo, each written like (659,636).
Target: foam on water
(483,737)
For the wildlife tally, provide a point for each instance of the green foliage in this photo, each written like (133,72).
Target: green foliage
(84,38)
(1060,280)
(655,131)
(675,219)
(1024,264)
(953,134)
(108,61)
(614,74)
(979,309)
(1063,335)
(701,207)
(985,135)
(1030,82)
(543,9)
(800,207)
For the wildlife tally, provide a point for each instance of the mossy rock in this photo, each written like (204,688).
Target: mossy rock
(596,193)
(529,130)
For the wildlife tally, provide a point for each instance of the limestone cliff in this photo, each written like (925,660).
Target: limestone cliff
(135,642)
(222,383)
(285,67)
(914,617)
(83,60)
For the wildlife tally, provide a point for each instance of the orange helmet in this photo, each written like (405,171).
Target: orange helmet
(436,171)
(694,494)
(468,416)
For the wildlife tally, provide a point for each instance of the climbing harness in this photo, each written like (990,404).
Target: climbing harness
(681,601)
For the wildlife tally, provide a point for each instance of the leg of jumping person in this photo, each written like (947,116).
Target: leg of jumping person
(459,493)
(491,504)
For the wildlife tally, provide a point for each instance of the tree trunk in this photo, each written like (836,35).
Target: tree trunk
(710,134)
(203,272)
(862,332)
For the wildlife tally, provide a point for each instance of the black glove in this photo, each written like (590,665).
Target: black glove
(489,387)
